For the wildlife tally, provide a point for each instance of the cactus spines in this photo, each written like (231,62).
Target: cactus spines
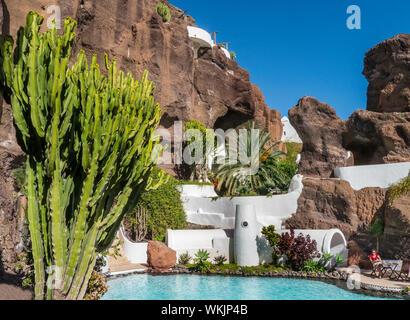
(89,141)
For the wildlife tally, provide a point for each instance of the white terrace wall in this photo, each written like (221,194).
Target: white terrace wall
(381,175)
(203,207)
(216,242)
(135,252)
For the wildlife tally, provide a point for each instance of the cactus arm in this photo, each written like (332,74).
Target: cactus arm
(35,227)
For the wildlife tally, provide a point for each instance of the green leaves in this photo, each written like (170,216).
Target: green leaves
(88,140)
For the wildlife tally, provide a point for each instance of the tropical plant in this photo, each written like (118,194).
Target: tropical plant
(220,260)
(297,249)
(164,207)
(200,140)
(235,177)
(201,260)
(313,266)
(89,141)
(164,12)
(184,258)
(339,259)
(376,229)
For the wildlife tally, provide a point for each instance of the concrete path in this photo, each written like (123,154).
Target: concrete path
(10,290)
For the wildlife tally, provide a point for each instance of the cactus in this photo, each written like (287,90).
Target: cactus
(90,146)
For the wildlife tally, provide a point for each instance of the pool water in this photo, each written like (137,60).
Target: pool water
(195,287)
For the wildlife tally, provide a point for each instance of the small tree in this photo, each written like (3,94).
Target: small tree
(377,230)
(200,139)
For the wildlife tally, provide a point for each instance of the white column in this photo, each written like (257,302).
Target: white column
(246,250)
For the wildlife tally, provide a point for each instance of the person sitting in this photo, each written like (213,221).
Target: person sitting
(376,262)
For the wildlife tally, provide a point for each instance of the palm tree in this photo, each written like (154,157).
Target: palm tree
(236,177)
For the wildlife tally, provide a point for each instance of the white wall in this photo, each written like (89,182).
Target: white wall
(289,132)
(201,36)
(134,252)
(220,212)
(381,175)
(215,241)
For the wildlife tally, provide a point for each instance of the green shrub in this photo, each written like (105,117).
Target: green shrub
(220,260)
(164,207)
(184,258)
(399,190)
(313,266)
(19,178)
(201,261)
(233,55)
(97,287)
(164,12)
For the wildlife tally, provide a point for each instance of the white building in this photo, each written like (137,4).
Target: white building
(202,39)
(289,132)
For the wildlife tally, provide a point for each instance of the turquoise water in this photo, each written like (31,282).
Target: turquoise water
(195,287)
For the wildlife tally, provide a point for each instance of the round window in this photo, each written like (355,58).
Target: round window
(245,224)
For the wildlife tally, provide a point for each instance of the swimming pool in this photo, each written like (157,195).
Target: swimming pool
(195,287)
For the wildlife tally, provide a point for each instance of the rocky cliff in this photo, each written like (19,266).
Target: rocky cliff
(211,88)
(380,134)
(387,68)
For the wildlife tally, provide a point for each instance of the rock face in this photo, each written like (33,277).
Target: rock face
(357,257)
(387,68)
(321,132)
(396,239)
(376,138)
(160,257)
(212,89)
(332,203)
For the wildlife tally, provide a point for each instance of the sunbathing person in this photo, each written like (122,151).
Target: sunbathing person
(376,262)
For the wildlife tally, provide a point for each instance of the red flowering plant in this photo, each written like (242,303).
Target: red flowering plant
(297,249)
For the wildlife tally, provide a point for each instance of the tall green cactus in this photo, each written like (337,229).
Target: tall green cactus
(90,145)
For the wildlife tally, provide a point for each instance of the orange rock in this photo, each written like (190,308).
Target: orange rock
(160,257)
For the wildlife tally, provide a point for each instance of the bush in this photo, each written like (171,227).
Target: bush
(273,238)
(313,266)
(19,178)
(97,287)
(399,190)
(184,258)
(220,260)
(297,249)
(233,55)
(164,12)
(165,210)
(201,261)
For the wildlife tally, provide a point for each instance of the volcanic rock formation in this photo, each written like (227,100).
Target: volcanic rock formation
(376,138)
(321,132)
(212,89)
(387,68)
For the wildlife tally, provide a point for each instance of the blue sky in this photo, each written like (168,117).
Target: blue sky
(297,48)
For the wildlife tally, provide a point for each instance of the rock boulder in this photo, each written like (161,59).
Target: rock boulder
(376,138)
(395,242)
(160,257)
(387,68)
(321,132)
